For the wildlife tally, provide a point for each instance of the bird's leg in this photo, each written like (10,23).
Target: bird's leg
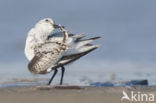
(55,72)
(62,75)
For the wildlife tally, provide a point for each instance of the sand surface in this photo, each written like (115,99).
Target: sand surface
(68,94)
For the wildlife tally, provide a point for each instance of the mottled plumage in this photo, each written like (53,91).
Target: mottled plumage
(46,55)
(48,51)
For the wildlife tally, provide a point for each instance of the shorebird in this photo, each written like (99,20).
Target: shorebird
(47,51)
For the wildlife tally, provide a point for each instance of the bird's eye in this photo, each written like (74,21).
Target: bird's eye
(46,20)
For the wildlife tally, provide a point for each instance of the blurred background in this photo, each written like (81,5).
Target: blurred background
(127,28)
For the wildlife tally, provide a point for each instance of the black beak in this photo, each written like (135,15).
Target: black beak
(57,26)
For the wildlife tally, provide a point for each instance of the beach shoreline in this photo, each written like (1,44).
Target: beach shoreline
(69,94)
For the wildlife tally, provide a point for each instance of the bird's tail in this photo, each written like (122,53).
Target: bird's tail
(81,45)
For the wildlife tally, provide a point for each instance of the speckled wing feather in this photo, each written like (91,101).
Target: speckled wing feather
(71,58)
(46,55)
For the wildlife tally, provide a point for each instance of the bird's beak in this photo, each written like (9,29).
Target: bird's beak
(57,26)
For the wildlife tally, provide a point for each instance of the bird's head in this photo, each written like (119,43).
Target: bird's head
(46,25)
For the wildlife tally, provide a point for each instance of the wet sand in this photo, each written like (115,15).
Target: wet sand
(68,94)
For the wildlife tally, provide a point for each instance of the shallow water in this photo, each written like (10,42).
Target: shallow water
(74,75)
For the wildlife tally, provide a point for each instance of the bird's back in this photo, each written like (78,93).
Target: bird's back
(46,55)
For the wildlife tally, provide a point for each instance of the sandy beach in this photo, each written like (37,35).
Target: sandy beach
(69,94)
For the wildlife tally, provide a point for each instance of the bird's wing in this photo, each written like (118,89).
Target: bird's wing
(79,47)
(71,58)
(46,55)
(58,36)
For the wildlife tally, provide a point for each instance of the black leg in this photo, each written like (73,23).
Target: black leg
(55,72)
(62,75)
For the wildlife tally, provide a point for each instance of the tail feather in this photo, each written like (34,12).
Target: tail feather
(81,43)
(78,37)
(87,47)
(94,38)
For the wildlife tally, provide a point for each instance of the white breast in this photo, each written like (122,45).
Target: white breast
(29,48)
(34,37)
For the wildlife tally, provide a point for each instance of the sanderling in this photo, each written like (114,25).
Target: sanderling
(47,51)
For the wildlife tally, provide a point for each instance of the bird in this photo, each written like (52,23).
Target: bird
(48,51)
